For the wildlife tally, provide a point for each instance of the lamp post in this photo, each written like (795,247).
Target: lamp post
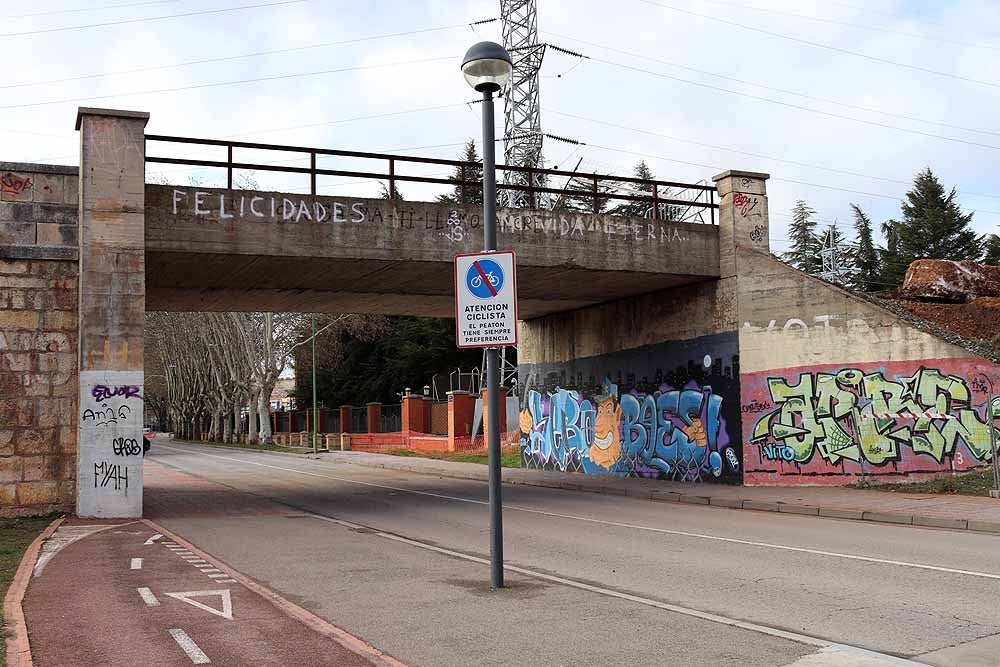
(487,68)
(995,493)
(315,419)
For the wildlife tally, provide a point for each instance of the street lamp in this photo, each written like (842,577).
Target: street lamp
(487,68)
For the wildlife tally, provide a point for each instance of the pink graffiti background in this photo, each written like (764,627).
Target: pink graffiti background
(832,424)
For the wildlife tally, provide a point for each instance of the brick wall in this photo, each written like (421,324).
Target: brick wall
(38,337)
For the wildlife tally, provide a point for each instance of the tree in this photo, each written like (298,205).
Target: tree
(468,194)
(991,247)
(893,265)
(578,195)
(868,268)
(640,209)
(804,251)
(933,226)
(396,194)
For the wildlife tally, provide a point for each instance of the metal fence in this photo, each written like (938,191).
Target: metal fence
(439,418)
(392,418)
(332,421)
(359,420)
(654,199)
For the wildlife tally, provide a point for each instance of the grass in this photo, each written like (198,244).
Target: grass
(15,536)
(511,460)
(976,483)
(255,446)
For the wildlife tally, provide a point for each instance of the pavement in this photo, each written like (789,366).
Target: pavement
(974,513)
(122,594)
(399,560)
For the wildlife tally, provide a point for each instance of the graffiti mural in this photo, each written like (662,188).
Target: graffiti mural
(671,427)
(889,419)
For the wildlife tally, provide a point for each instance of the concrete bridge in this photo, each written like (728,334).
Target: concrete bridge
(648,348)
(210,249)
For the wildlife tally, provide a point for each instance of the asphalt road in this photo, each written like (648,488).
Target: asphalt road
(392,558)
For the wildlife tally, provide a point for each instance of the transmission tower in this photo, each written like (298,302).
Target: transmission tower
(522,118)
(835,258)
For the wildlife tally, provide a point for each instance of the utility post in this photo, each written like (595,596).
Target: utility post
(487,68)
(315,419)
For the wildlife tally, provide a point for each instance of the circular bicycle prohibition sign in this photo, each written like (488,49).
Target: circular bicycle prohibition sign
(484,279)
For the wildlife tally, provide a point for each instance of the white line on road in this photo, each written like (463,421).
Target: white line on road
(686,611)
(136,564)
(219,575)
(148,597)
(153,539)
(187,644)
(618,524)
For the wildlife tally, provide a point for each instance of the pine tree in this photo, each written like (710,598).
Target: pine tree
(992,249)
(640,209)
(804,251)
(469,194)
(893,265)
(396,194)
(868,269)
(578,195)
(933,225)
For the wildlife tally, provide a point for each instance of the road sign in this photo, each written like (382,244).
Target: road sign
(485,300)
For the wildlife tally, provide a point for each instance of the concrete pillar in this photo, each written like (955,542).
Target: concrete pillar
(374,414)
(112,310)
(486,411)
(461,409)
(743,217)
(345,419)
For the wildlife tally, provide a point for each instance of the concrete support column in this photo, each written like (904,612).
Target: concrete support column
(112,310)
(486,410)
(461,409)
(374,415)
(414,414)
(743,216)
(345,419)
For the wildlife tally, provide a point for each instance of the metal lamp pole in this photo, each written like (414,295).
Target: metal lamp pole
(487,68)
(315,419)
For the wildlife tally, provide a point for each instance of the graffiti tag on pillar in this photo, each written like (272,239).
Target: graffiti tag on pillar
(745,204)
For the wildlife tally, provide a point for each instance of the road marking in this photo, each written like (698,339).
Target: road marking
(148,597)
(227,581)
(192,558)
(136,564)
(187,645)
(618,524)
(153,539)
(572,583)
(227,601)
(209,569)
(220,575)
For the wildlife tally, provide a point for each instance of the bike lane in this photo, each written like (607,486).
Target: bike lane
(129,594)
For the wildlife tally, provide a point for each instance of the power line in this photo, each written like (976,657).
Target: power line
(89,9)
(859,26)
(277,77)
(820,45)
(345,120)
(253,54)
(148,19)
(786,91)
(795,106)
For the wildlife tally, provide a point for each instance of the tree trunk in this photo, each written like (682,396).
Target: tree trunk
(252,429)
(238,421)
(264,409)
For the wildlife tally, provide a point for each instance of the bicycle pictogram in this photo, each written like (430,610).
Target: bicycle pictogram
(484,279)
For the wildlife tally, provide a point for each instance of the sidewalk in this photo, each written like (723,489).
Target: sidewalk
(113,593)
(931,510)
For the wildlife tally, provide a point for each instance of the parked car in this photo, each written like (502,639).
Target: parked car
(147,439)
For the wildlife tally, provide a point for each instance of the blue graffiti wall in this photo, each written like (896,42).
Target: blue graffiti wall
(665,411)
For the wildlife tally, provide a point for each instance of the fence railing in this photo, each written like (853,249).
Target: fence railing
(654,199)
(439,418)
(359,420)
(392,418)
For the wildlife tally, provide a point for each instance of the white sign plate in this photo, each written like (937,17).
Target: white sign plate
(485,300)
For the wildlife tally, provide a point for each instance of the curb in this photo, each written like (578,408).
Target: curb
(354,644)
(654,495)
(247,449)
(17,646)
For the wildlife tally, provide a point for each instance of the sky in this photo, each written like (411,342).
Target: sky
(841,102)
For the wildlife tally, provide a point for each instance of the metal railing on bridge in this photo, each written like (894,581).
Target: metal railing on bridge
(654,199)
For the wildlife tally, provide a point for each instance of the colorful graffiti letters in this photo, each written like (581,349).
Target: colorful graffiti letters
(670,433)
(861,416)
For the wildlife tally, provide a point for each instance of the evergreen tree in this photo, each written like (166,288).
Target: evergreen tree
(804,251)
(893,265)
(469,194)
(933,225)
(578,195)
(992,249)
(640,209)
(868,268)
(397,195)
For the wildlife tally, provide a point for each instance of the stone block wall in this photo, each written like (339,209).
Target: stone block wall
(38,337)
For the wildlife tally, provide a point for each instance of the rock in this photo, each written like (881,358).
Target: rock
(945,280)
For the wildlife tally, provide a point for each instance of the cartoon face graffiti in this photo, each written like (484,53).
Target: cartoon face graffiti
(525,421)
(607,445)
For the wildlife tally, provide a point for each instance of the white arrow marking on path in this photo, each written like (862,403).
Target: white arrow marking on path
(153,539)
(227,601)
